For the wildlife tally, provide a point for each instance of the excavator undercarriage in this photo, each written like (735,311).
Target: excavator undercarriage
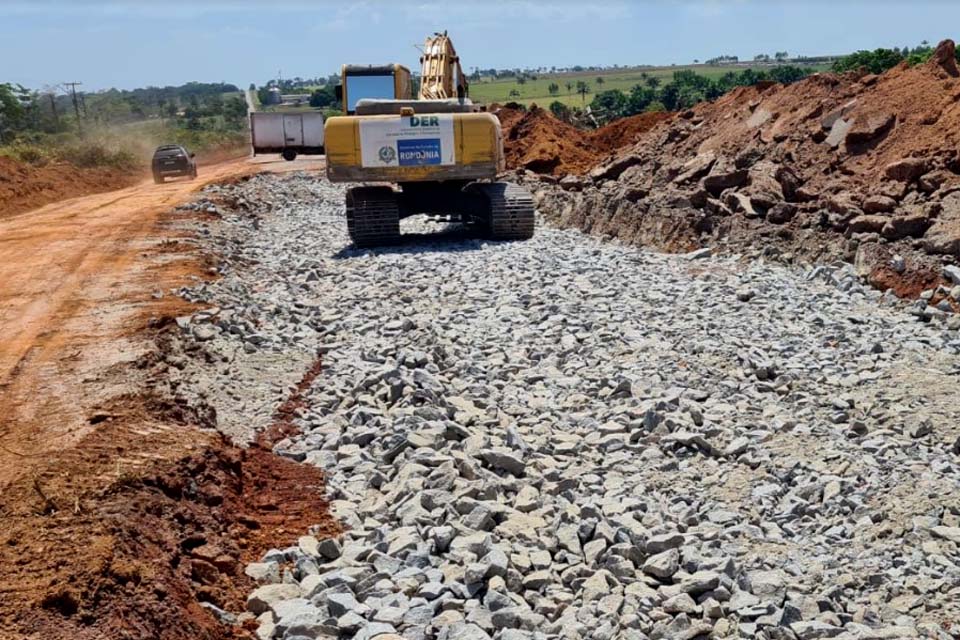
(497,210)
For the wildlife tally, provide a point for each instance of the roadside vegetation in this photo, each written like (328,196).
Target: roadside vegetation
(684,90)
(118,129)
(880,60)
(592,98)
(578,89)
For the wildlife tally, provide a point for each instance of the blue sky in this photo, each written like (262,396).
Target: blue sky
(134,43)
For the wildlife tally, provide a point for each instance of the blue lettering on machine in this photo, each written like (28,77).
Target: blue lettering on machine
(418,151)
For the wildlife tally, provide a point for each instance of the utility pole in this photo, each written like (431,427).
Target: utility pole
(53,108)
(76,104)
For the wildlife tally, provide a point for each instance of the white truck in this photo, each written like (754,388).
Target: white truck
(288,134)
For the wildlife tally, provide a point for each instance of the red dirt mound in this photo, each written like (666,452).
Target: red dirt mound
(626,131)
(24,187)
(543,144)
(142,549)
(854,166)
(537,141)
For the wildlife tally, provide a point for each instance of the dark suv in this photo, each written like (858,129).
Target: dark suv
(173,160)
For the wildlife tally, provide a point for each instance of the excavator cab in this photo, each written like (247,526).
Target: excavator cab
(372,82)
(440,151)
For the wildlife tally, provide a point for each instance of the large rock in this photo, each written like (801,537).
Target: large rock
(952,273)
(867,224)
(766,189)
(740,203)
(696,168)
(264,597)
(505,460)
(879,204)
(943,237)
(868,128)
(700,581)
(782,213)
(462,631)
(906,170)
(947,533)
(814,630)
(944,59)
(913,225)
(664,542)
(838,132)
(663,565)
(613,169)
(718,181)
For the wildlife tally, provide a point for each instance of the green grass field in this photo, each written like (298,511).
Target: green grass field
(487,91)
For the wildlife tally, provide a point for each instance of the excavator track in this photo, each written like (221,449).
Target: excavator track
(373,216)
(511,210)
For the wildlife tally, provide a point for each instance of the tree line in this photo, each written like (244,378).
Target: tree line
(685,89)
(880,60)
(196,105)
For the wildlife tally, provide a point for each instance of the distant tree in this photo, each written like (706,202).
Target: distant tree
(653,82)
(11,111)
(521,80)
(235,111)
(786,74)
(560,110)
(583,89)
(213,105)
(553,89)
(514,93)
(639,99)
(780,56)
(324,97)
(252,87)
(761,57)
(876,61)
(612,103)
(670,96)
(599,79)
(569,86)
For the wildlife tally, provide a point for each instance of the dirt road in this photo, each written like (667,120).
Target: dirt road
(73,275)
(94,451)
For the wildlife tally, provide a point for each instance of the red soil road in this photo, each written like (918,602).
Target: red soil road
(118,510)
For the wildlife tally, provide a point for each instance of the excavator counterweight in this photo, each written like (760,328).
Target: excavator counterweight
(439,154)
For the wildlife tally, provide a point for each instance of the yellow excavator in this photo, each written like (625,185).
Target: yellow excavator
(438,155)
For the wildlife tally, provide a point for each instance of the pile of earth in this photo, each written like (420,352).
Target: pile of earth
(857,166)
(537,141)
(25,186)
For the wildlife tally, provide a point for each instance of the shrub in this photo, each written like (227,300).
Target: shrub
(27,152)
(560,110)
(97,154)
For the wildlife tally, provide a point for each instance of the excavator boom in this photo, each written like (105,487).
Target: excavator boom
(441,77)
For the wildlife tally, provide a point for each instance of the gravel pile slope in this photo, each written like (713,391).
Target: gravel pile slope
(563,438)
